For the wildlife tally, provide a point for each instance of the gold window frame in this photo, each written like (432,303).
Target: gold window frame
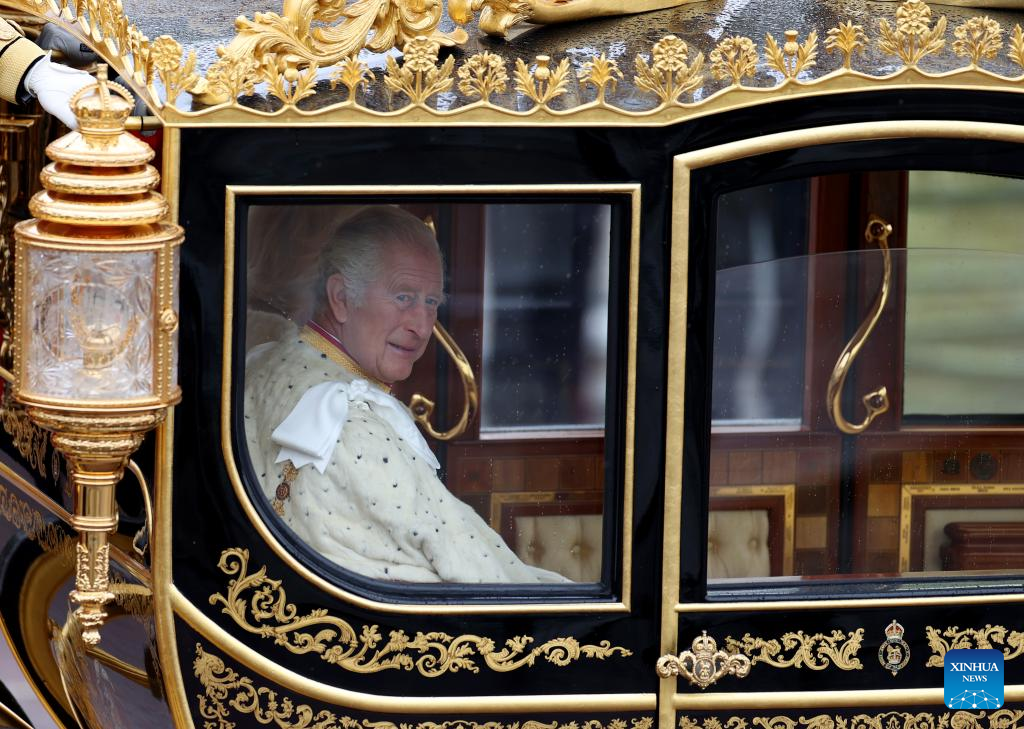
(339,192)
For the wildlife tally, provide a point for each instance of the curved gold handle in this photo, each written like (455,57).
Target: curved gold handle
(703,664)
(423,407)
(875,402)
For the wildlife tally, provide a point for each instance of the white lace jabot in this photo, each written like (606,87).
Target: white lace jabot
(311,430)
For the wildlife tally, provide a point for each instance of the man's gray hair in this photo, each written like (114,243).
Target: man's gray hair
(357,246)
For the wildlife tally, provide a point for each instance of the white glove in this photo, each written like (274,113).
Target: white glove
(54,85)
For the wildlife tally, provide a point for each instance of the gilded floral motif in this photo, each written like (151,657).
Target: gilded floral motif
(542,84)
(1017,45)
(734,58)
(815,651)
(793,57)
(978,38)
(991,636)
(419,78)
(913,36)
(848,39)
(603,73)
(259,605)
(226,692)
(482,75)
(178,77)
(670,73)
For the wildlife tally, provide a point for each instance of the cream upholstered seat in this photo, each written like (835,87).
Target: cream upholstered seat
(738,544)
(569,544)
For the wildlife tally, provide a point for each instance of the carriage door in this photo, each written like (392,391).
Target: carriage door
(850,495)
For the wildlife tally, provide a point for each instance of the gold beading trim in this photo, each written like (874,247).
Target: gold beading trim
(259,605)
(1001,719)
(814,651)
(991,636)
(225,689)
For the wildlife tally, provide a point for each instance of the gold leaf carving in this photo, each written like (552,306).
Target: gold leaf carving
(419,78)
(793,57)
(292,86)
(1017,45)
(542,84)
(482,75)
(800,650)
(913,37)
(166,54)
(603,73)
(225,691)
(848,39)
(991,636)
(259,605)
(233,76)
(734,58)
(670,74)
(314,32)
(1001,719)
(978,38)
(353,74)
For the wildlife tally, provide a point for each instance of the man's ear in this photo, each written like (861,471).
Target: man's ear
(336,297)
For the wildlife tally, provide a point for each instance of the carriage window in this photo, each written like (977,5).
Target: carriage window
(425,384)
(882,329)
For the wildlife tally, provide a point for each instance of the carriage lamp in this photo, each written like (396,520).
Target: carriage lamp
(96,318)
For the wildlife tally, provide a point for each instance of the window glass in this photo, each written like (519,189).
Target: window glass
(964,312)
(935,322)
(760,311)
(368,328)
(545,331)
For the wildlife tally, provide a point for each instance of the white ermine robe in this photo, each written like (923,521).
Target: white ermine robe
(372,502)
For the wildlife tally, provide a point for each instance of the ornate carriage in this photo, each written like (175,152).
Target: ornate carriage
(732,342)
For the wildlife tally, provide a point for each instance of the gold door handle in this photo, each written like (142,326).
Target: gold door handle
(423,407)
(703,664)
(875,402)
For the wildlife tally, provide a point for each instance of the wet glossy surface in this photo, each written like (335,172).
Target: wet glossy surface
(702,25)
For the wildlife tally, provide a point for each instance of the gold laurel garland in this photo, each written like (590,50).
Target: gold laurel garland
(814,651)
(224,691)
(1001,719)
(991,636)
(259,605)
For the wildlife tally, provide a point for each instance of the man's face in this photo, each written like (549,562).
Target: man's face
(390,329)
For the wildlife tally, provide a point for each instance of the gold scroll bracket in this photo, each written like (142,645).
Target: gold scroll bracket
(423,407)
(704,663)
(875,402)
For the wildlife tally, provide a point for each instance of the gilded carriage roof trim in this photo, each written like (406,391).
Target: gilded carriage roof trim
(295,68)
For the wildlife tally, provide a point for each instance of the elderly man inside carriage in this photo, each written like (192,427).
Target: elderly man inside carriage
(337,455)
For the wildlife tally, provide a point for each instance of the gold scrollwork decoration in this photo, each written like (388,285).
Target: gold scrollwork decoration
(23,517)
(991,636)
(259,605)
(225,690)
(815,651)
(28,438)
(1001,719)
(670,73)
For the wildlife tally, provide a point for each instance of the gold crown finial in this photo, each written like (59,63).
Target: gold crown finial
(102,109)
